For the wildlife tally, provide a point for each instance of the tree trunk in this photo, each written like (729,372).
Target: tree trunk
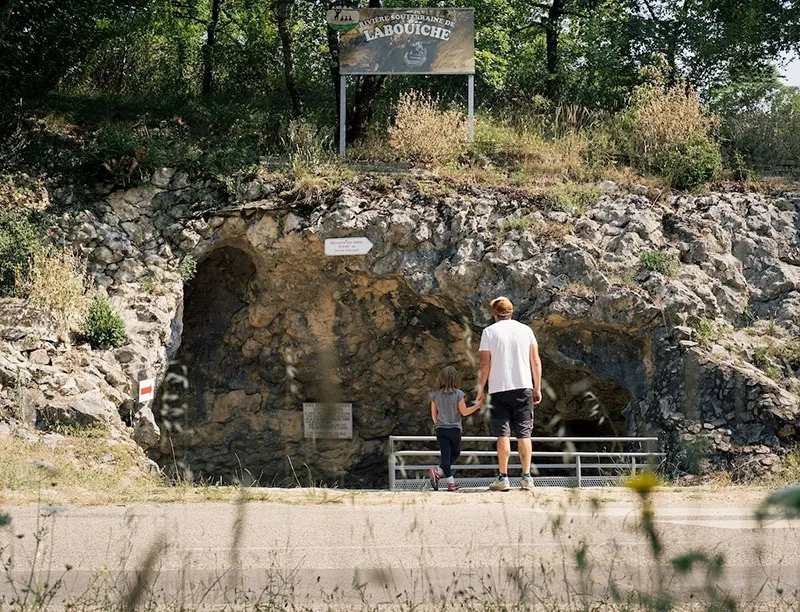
(5,16)
(359,118)
(367,90)
(281,8)
(209,47)
(333,49)
(552,32)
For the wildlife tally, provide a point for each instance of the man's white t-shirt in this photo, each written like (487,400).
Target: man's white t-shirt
(510,344)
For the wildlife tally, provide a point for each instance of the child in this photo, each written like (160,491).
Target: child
(447,408)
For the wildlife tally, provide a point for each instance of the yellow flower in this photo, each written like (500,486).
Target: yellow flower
(643,483)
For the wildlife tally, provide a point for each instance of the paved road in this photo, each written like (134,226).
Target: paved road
(314,548)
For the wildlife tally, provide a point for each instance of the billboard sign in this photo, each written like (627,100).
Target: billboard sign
(410,41)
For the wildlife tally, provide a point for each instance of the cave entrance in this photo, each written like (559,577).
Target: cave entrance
(260,338)
(578,403)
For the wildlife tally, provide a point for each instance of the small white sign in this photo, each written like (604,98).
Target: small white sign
(347,246)
(146,389)
(328,420)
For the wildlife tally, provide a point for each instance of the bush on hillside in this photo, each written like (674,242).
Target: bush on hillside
(768,135)
(57,283)
(103,327)
(691,164)
(423,132)
(668,131)
(19,243)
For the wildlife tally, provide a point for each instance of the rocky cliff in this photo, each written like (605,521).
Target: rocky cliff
(675,316)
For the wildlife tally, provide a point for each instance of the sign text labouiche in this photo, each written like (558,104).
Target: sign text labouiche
(328,420)
(410,41)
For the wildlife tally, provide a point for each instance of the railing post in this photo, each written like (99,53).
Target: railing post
(578,470)
(633,466)
(391,464)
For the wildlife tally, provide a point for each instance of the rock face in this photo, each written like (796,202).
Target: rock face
(705,357)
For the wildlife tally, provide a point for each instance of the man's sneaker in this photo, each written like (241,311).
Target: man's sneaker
(526,483)
(451,486)
(501,484)
(433,474)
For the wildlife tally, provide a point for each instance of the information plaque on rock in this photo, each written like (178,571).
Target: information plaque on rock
(328,420)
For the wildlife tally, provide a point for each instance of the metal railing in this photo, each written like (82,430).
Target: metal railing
(590,467)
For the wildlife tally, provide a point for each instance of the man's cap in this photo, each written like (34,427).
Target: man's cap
(501,306)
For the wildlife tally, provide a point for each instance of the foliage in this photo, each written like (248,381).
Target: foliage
(707,332)
(423,132)
(785,503)
(691,164)
(19,244)
(306,143)
(188,267)
(539,143)
(660,261)
(575,197)
(103,327)
(57,282)
(766,133)
(666,130)
(685,455)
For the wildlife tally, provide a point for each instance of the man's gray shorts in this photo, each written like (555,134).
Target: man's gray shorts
(512,408)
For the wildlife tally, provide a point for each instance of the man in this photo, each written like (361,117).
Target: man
(511,365)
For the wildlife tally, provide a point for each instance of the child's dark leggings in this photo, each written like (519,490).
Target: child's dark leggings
(450,444)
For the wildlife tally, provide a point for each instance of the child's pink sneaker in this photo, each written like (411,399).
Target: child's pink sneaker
(451,486)
(433,474)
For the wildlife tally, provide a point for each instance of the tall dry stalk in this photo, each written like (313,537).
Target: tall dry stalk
(57,282)
(424,132)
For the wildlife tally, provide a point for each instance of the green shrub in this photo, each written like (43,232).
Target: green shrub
(103,327)
(19,243)
(689,165)
(668,131)
(660,261)
(707,332)
(691,454)
(188,268)
(575,197)
(767,134)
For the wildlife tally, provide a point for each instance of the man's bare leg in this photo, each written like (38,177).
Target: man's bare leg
(503,453)
(525,448)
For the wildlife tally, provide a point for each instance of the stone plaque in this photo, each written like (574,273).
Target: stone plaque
(328,421)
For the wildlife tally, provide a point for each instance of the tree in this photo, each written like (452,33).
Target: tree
(193,11)
(550,18)
(40,40)
(713,42)
(281,8)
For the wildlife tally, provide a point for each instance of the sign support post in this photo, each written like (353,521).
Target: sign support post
(342,112)
(470,107)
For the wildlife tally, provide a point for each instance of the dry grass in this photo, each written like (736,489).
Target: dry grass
(84,470)
(423,132)
(541,230)
(57,282)
(528,150)
(100,469)
(661,118)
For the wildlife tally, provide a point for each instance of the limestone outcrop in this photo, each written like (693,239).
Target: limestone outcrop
(673,316)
